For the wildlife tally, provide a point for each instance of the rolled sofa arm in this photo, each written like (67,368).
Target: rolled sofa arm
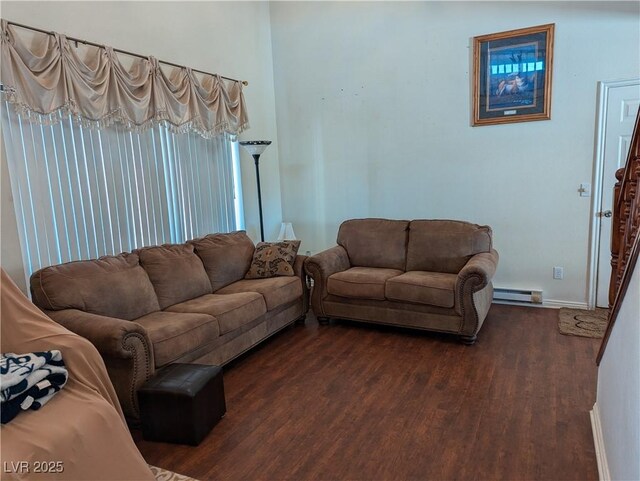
(298,270)
(481,266)
(125,347)
(474,291)
(108,334)
(320,267)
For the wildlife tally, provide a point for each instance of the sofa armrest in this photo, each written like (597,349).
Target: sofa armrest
(298,266)
(320,267)
(124,346)
(480,269)
(474,291)
(327,262)
(298,270)
(108,334)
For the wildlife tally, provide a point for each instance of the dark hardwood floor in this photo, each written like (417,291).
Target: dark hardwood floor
(359,402)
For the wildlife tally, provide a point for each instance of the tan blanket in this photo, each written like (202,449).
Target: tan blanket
(81,433)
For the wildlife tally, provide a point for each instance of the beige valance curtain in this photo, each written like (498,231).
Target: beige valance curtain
(49,76)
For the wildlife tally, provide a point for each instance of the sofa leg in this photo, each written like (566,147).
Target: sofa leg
(301,319)
(468,340)
(323,320)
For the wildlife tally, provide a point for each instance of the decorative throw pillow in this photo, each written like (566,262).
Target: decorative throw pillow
(271,259)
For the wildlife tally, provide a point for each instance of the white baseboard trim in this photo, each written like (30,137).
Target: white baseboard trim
(570,304)
(598,441)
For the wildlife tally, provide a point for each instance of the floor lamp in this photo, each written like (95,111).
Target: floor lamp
(255,148)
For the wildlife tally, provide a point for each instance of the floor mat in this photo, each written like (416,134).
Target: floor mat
(164,475)
(580,322)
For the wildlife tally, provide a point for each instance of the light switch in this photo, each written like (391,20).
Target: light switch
(585,190)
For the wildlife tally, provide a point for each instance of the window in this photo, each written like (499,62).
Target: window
(83,192)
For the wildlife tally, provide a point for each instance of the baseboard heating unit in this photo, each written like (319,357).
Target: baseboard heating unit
(518,296)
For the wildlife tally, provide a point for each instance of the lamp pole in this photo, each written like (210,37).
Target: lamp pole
(256,157)
(255,148)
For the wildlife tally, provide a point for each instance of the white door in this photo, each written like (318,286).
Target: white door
(620,107)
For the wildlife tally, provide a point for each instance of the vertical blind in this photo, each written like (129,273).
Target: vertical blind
(81,192)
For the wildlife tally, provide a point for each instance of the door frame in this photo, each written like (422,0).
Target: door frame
(597,186)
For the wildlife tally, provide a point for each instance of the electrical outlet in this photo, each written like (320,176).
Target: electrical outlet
(558,272)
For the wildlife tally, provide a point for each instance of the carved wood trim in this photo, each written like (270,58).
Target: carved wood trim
(615,240)
(625,241)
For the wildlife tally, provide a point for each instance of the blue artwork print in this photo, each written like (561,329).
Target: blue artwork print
(512,76)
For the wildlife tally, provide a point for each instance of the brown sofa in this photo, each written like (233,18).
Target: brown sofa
(172,303)
(425,274)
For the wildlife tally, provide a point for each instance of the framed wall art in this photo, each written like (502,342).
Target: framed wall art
(512,76)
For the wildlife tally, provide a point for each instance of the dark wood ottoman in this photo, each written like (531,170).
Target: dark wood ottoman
(181,403)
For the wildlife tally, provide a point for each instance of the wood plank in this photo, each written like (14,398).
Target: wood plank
(363,402)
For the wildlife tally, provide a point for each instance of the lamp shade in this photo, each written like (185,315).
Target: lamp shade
(286,232)
(255,147)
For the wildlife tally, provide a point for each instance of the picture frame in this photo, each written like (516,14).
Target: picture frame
(512,74)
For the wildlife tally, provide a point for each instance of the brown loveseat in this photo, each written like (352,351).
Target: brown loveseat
(172,303)
(426,274)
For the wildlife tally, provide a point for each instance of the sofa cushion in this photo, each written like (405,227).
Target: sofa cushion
(176,272)
(226,257)
(113,286)
(361,282)
(231,310)
(431,288)
(271,259)
(174,334)
(276,291)
(375,242)
(445,245)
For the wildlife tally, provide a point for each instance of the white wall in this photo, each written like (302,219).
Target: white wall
(232,39)
(618,398)
(372,103)
(373,112)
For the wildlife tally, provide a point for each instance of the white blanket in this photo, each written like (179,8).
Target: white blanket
(28,381)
